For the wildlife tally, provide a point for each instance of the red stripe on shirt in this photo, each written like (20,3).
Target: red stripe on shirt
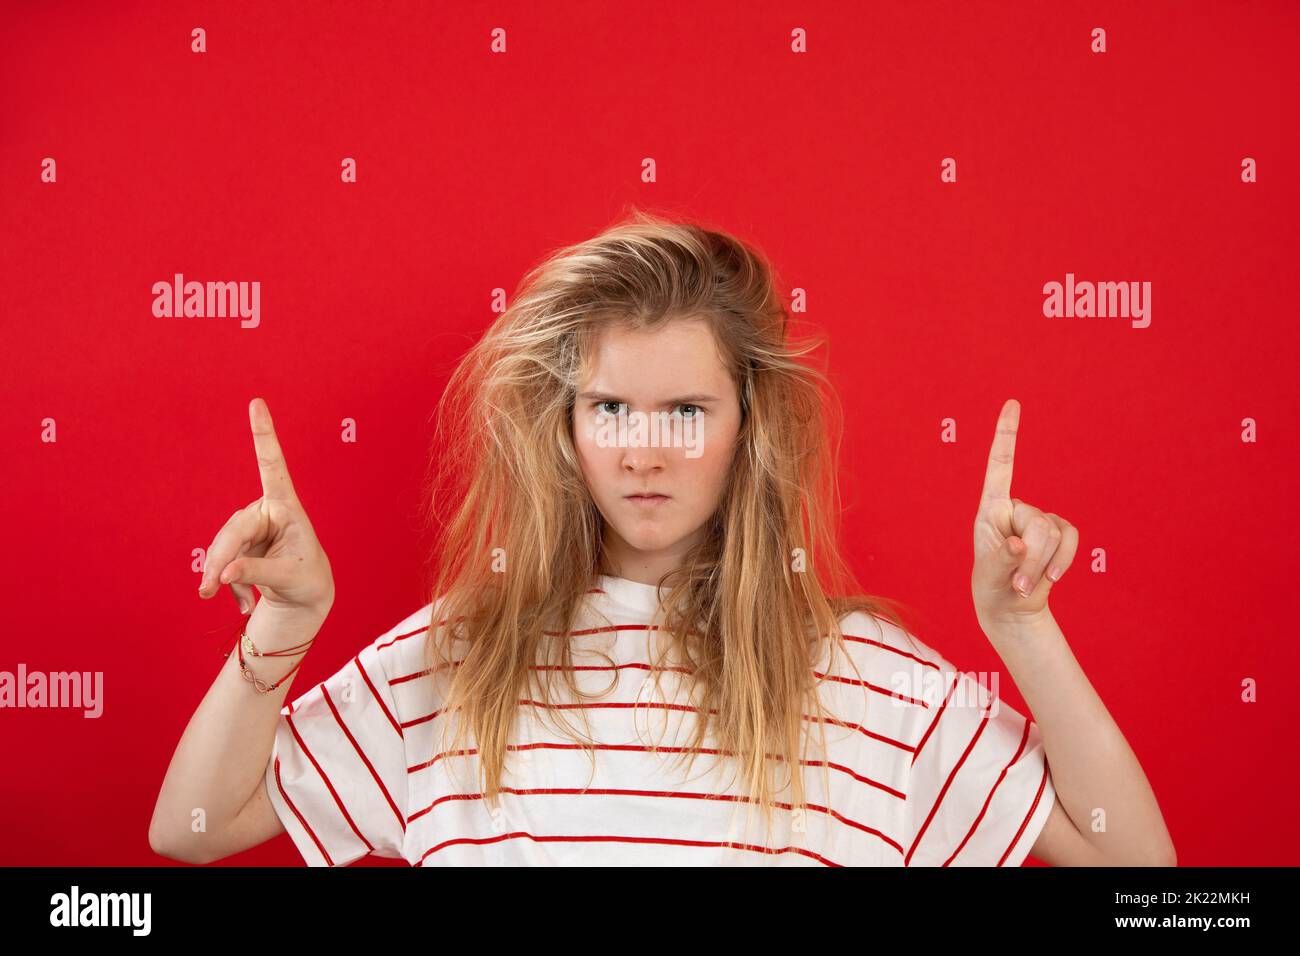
(604,629)
(609,791)
(414,633)
(366,760)
(622,839)
(891,647)
(378,699)
(635,665)
(984,721)
(325,777)
(870,686)
(623,627)
(661,705)
(301,819)
(1024,739)
(1042,785)
(938,714)
(645,748)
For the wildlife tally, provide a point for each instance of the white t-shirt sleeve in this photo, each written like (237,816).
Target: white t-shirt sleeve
(979,789)
(337,774)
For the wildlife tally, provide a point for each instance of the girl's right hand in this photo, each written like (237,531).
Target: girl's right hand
(270,543)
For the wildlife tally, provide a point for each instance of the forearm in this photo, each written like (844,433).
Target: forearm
(1098,779)
(222,755)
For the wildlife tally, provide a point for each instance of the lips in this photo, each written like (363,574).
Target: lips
(647,500)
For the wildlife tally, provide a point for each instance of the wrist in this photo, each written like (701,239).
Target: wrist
(275,629)
(1019,627)
(252,658)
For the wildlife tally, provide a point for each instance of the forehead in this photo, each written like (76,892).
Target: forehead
(638,362)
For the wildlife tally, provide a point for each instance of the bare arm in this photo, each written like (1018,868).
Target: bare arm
(212,802)
(1092,765)
(1105,813)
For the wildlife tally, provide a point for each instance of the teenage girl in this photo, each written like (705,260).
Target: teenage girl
(641,646)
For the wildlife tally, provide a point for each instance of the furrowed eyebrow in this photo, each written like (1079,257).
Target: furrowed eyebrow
(684,400)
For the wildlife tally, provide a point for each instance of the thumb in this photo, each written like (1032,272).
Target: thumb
(996,573)
(263,572)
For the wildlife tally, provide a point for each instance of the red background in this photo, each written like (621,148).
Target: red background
(1122,166)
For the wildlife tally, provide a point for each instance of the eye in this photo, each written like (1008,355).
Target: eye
(604,407)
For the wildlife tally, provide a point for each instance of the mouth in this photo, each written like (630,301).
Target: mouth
(647,501)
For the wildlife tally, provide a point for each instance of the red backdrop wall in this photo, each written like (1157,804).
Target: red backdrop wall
(1122,166)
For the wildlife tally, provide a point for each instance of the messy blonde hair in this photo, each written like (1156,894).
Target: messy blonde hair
(751,605)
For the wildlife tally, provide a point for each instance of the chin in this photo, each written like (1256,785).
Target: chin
(642,540)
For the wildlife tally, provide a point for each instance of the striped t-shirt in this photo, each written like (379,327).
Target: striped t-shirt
(926,766)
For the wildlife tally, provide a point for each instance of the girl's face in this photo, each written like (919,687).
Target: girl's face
(673,374)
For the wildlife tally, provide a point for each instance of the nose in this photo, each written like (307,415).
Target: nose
(643,461)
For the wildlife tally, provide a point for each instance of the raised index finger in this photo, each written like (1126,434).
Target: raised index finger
(1002,453)
(270,459)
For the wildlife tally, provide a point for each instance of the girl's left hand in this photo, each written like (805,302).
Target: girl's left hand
(1020,551)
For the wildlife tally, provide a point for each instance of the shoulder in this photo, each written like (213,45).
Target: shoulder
(889,656)
(874,633)
(400,649)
